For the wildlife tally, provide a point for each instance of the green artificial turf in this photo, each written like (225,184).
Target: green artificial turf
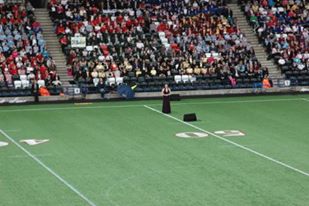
(124,154)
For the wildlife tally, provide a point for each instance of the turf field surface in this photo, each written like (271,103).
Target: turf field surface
(126,153)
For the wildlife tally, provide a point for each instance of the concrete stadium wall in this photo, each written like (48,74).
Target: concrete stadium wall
(154,95)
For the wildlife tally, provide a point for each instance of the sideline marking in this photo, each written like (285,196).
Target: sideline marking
(83,103)
(231,142)
(26,156)
(73,107)
(48,169)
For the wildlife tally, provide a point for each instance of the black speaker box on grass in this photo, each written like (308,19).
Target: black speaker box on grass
(189,117)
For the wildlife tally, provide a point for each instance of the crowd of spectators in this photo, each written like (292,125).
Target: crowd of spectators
(283,27)
(153,38)
(23,54)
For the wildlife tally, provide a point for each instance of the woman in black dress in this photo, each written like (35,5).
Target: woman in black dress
(166,92)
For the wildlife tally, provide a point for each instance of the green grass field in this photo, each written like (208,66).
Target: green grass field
(126,154)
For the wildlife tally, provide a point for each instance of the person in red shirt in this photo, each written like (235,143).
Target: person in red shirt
(23,13)
(43,72)
(3,20)
(15,10)
(10,59)
(211,60)
(39,58)
(72,57)
(129,23)
(114,66)
(64,42)
(13,69)
(119,19)
(60,10)
(94,22)
(191,47)
(53,2)
(124,28)
(12,20)
(264,3)
(118,30)
(103,28)
(60,29)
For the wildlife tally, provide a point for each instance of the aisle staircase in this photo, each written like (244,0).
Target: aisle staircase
(260,52)
(53,45)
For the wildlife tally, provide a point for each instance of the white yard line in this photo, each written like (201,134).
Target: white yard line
(76,191)
(139,105)
(307,100)
(231,142)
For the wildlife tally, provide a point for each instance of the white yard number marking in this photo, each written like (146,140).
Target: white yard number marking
(230,133)
(34,141)
(3,144)
(192,134)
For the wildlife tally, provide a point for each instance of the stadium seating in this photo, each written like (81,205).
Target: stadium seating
(23,54)
(153,42)
(283,28)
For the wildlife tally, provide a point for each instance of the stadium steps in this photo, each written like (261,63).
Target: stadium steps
(260,52)
(53,45)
